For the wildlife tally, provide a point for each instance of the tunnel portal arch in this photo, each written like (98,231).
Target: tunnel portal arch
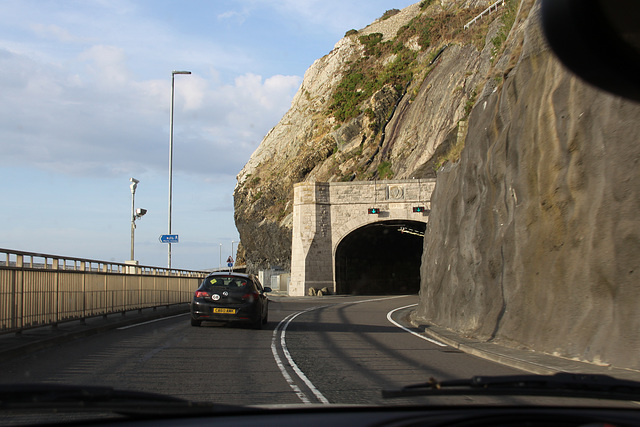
(380,258)
(329,217)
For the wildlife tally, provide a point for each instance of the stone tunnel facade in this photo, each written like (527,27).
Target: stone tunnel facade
(325,213)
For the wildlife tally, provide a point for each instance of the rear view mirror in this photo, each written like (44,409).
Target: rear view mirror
(598,40)
(267,289)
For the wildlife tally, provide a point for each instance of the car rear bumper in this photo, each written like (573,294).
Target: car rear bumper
(242,313)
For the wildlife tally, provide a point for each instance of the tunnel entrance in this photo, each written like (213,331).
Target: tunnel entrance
(382,258)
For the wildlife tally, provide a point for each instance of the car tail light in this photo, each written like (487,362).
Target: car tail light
(250,297)
(202,294)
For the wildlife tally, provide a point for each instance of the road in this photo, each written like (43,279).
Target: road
(335,349)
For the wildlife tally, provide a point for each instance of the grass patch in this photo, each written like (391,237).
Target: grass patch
(369,74)
(257,196)
(452,154)
(425,4)
(389,13)
(468,106)
(384,170)
(508,18)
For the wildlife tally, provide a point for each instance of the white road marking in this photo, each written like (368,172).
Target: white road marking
(151,321)
(282,326)
(283,370)
(409,330)
(294,366)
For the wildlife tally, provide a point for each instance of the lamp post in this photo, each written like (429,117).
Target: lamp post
(135,214)
(173,73)
(133,186)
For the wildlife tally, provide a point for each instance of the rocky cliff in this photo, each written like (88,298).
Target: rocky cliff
(379,105)
(533,237)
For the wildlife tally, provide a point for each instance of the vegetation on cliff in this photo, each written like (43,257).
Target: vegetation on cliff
(369,74)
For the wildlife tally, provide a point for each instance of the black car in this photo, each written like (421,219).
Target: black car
(230,297)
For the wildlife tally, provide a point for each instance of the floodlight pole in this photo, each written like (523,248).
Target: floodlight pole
(173,73)
(133,186)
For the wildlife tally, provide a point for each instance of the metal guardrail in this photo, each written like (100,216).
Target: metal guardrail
(43,289)
(490,9)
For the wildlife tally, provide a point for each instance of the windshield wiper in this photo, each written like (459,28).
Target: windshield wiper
(96,398)
(560,384)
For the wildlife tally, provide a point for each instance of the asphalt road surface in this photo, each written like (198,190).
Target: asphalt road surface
(334,349)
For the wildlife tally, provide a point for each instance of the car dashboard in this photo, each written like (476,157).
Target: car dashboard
(357,416)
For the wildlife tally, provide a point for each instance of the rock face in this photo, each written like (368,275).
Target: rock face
(534,233)
(397,84)
(534,237)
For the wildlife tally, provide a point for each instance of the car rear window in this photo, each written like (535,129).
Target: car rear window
(227,281)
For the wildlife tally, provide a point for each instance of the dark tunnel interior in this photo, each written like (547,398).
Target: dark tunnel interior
(382,258)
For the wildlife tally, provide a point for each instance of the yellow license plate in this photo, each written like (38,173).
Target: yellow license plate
(224,310)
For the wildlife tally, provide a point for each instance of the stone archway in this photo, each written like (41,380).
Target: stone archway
(326,213)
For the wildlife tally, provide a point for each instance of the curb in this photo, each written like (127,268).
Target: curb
(525,360)
(502,359)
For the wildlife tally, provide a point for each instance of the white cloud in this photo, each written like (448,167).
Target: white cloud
(236,15)
(192,90)
(81,123)
(107,65)
(55,32)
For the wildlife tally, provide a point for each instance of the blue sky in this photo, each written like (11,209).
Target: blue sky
(86,91)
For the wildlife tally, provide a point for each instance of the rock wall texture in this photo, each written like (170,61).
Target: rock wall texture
(534,235)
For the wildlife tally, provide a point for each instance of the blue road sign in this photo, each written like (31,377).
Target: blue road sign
(168,238)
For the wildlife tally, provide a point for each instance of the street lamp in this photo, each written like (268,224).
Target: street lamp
(135,214)
(173,73)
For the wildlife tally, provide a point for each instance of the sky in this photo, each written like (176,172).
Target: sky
(86,93)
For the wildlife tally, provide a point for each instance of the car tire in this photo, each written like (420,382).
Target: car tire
(266,318)
(195,322)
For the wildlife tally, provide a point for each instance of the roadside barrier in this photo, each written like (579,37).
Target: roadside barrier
(41,289)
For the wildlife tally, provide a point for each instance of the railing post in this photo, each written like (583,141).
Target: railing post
(155,289)
(84,292)
(140,296)
(14,299)
(105,296)
(123,295)
(56,283)
(19,293)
